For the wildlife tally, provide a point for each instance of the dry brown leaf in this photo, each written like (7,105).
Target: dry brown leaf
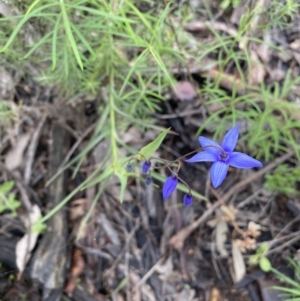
(296,46)
(239,266)
(14,157)
(77,268)
(257,72)
(221,237)
(27,243)
(215,294)
(136,293)
(132,136)
(6,81)
(110,231)
(165,269)
(77,209)
(263,50)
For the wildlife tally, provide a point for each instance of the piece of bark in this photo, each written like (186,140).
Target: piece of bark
(49,264)
(7,253)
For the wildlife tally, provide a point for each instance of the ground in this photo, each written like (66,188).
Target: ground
(78,219)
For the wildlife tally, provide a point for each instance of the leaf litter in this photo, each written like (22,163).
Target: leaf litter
(144,248)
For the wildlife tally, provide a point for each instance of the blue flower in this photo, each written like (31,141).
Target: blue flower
(187,200)
(223,156)
(146,166)
(169,186)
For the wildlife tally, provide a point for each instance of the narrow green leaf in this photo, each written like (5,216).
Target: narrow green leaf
(84,41)
(70,34)
(104,14)
(31,7)
(147,151)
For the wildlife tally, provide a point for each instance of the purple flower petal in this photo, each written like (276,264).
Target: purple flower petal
(240,160)
(187,200)
(218,173)
(205,156)
(230,139)
(146,166)
(205,143)
(169,186)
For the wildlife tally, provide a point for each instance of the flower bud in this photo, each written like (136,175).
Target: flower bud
(187,200)
(169,186)
(148,181)
(146,166)
(129,167)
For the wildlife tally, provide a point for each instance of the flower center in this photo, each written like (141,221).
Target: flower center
(223,156)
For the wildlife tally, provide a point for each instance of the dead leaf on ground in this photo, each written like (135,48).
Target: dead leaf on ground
(263,50)
(27,243)
(110,231)
(215,294)
(6,82)
(77,268)
(135,293)
(257,71)
(221,237)
(14,157)
(77,209)
(132,136)
(296,46)
(239,266)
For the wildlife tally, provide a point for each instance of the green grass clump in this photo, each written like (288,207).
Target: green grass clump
(291,290)
(284,180)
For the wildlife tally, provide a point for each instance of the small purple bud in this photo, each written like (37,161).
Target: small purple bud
(169,186)
(129,168)
(187,200)
(148,181)
(146,166)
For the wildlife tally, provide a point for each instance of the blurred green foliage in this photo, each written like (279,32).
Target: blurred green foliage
(284,180)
